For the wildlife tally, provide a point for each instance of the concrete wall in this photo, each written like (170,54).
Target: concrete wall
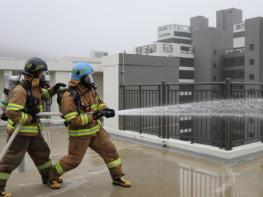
(111,87)
(206,41)
(141,69)
(198,22)
(225,20)
(53,65)
(130,69)
(254,35)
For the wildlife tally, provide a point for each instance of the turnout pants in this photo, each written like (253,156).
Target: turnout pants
(38,150)
(100,143)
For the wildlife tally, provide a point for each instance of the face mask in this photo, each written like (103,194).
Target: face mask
(35,82)
(43,83)
(88,82)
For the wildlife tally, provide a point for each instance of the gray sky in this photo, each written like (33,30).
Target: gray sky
(74,27)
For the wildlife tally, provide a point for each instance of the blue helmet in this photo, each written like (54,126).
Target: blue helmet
(81,69)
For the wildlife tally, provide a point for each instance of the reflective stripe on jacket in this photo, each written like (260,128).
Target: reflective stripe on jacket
(80,121)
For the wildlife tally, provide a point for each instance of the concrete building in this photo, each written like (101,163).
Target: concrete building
(243,62)
(225,20)
(173,41)
(232,49)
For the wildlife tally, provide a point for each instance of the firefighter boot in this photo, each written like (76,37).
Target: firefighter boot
(59,180)
(54,184)
(5,194)
(121,182)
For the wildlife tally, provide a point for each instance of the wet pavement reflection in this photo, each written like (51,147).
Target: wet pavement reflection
(153,172)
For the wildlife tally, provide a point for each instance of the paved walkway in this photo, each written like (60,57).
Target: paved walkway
(154,173)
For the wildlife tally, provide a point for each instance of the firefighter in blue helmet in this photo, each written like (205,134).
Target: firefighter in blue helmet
(25,101)
(82,108)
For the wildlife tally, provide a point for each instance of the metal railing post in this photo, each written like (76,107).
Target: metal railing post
(168,127)
(140,106)
(164,102)
(124,107)
(228,132)
(159,117)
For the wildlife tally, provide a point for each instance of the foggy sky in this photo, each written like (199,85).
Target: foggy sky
(54,28)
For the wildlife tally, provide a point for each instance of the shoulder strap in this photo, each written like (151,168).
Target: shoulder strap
(76,97)
(26,86)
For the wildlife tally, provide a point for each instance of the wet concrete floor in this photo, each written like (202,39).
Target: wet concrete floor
(154,172)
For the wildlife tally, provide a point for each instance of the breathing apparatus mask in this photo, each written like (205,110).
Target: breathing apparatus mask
(88,82)
(38,80)
(42,81)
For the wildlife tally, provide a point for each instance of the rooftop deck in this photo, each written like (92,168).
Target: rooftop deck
(153,171)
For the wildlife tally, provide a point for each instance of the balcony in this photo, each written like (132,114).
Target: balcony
(234,51)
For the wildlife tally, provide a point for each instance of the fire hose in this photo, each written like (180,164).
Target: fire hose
(12,138)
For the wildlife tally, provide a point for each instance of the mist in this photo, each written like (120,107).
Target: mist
(58,28)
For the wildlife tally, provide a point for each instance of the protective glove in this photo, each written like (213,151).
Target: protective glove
(33,111)
(108,113)
(58,85)
(4,117)
(97,115)
(34,119)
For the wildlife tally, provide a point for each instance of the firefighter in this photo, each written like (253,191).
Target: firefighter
(82,108)
(25,101)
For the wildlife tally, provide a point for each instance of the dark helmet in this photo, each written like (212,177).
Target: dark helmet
(34,66)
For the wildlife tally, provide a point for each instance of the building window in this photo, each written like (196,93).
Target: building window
(138,51)
(251,47)
(186,74)
(176,40)
(188,62)
(251,62)
(182,34)
(184,48)
(152,48)
(214,65)
(214,78)
(251,77)
(167,48)
(215,52)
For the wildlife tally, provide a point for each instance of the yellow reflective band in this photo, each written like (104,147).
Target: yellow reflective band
(101,106)
(41,108)
(4,176)
(29,129)
(71,116)
(14,107)
(23,118)
(59,168)
(10,124)
(10,121)
(84,119)
(45,93)
(114,163)
(45,165)
(94,107)
(84,132)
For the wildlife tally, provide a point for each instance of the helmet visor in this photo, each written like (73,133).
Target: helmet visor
(89,79)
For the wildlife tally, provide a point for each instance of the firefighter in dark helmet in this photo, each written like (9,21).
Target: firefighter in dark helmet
(25,101)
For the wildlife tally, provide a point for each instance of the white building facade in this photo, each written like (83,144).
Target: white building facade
(173,41)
